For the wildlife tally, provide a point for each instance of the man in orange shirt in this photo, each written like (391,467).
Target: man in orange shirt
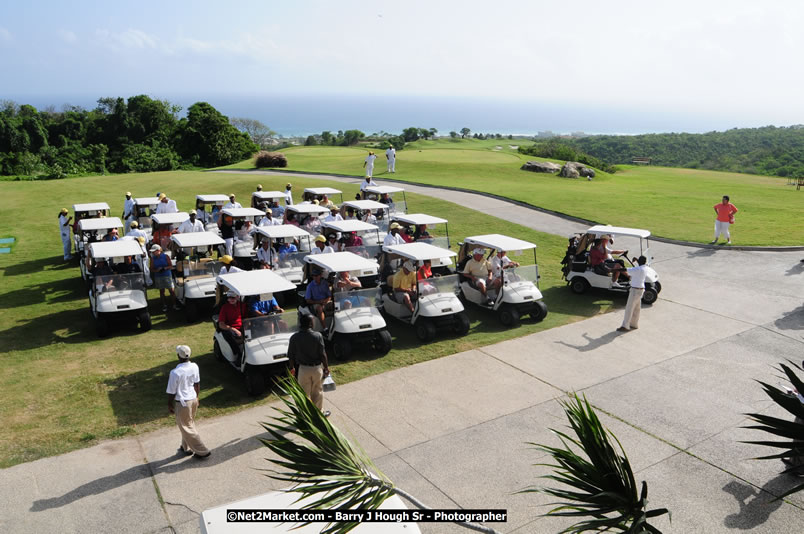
(725,217)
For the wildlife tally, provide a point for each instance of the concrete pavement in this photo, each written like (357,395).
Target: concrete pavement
(453,431)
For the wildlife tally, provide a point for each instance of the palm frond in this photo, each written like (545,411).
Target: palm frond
(601,483)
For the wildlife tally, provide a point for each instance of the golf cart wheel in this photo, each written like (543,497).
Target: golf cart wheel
(425,330)
(657,286)
(382,342)
(579,285)
(255,381)
(101,326)
(191,311)
(461,326)
(509,316)
(341,348)
(144,319)
(539,311)
(650,296)
(216,349)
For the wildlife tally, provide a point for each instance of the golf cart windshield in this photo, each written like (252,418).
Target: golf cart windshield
(289,260)
(441,241)
(202,269)
(528,273)
(439,284)
(269,325)
(111,283)
(365,251)
(357,298)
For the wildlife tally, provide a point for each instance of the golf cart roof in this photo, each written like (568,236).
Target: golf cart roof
(212,198)
(282,231)
(307,208)
(170,218)
(417,218)
(256,282)
(321,191)
(196,239)
(419,251)
(102,223)
(499,242)
(146,201)
(243,212)
(115,249)
(601,229)
(336,262)
(352,225)
(383,189)
(267,195)
(92,206)
(365,205)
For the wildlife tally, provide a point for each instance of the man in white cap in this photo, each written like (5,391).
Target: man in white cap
(191,225)
(182,398)
(288,195)
(321,246)
(334,214)
(166,205)
(268,219)
(128,210)
(393,237)
(232,204)
(266,255)
(228,265)
(390,155)
(478,271)
(368,182)
(64,230)
(404,285)
(255,201)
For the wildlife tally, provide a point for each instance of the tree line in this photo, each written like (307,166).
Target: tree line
(140,134)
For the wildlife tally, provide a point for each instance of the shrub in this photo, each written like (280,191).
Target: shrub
(270,159)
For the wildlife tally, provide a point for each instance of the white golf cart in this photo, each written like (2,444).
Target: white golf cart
(437,305)
(375,192)
(288,265)
(243,250)
(90,231)
(265,339)
(369,234)
(580,276)
(195,271)
(201,203)
(93,210)
(355,319)
(317,193)
(519,294)
(309,216)
(144,207)
(381,212)
(116,296)
(260,197)
(171,221)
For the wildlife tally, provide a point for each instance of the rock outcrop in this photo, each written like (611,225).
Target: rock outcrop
(540,166)
(574,169)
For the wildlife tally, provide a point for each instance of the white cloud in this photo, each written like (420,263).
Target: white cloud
(67,36)
(130,39)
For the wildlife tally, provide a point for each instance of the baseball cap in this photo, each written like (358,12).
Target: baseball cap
(193,212)
(183,351)
(231,195)
(162,195)
(128,193)
(268,211)
(334,207)
(409,265)
(155,247)
(394,225)
(231,294)
(134,224)
(64,211)
(259,187)
(478,251)
(320,239)
(227,259)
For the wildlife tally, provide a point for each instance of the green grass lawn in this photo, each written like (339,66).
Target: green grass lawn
(63,388)
(670,202)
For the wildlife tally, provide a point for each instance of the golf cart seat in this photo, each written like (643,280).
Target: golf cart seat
(580,262)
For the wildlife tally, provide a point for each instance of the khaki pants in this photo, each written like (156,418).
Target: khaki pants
(310,378)
(632,307)
(185,420)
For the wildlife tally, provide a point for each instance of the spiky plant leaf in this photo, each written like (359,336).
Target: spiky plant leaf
(601,483)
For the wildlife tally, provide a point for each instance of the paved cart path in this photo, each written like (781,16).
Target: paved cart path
(453,431)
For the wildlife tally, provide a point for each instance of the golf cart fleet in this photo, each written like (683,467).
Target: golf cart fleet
(519,293)
(196,271)
(581,277)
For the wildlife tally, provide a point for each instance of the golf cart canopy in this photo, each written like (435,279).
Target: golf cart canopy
(499,242)
(418,218)
(268,195)
(321,191)
(170,218)
(282,231)
(352,225)
(308,209)
(209,199)
(336,262)
(104,223)
(93,206)
(419,251)
(257,282)
(146,201)
(115,249)
(243,212)
(600,230)
(365,205)
(196,239)
(383,189)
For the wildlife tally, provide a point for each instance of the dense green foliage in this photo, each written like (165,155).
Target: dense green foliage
(770,151)
(555,149)
(347,138)
(138,135)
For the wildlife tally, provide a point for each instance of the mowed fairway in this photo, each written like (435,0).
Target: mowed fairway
(63,388)
(674,203)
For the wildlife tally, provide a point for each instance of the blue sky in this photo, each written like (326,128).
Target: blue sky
(735,60)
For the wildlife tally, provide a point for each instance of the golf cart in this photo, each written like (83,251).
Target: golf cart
(243,249)
(519,294)
(318,193)
(195,270)
(580,276)
(379,210)
(113,296)
(144,207)
(201,202)
(260,197)
(90,231)
(368,233)
(375,192)
(265,339)
(169,220)
(288,265)
(309,216)
(437,305)
(93,210)
(355,319)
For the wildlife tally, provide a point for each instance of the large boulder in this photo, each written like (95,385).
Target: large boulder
(541,166)
(574,169)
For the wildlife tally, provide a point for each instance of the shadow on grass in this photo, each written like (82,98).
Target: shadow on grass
(55,292)
(54,263)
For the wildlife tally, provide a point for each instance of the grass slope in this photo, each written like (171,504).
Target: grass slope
(63,388)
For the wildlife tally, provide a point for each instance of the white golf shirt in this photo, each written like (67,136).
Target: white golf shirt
(391,239)
(638,275)
(167,207)
(189,226)
(181,382)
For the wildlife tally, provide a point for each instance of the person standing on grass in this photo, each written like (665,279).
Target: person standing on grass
(182,399)
(725,211)
(632,307)
(64,229)
(162,270)
(390,155)
(369,164)
(308,356)
(128,211)
(288,194)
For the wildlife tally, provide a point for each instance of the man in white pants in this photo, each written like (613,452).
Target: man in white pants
(182,401)
(369,164)
(632,307)
(725,211)
(64,230)
(128,211)
(390,155)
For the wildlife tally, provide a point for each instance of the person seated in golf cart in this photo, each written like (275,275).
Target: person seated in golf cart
(321,246)
(500,262)
(262,308)
(421,233)
(161,234)
(318,294)
(128,266)
(425,272)
(229,265)
(111,235)
(350,214)
(268,219)
(103,274)
(478,272)
(285,248)
(386,199)
(404,285)
(600,265)
(608,241)
(344,283)
(393,237)
(230,322)
(266,255)
(352,240)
